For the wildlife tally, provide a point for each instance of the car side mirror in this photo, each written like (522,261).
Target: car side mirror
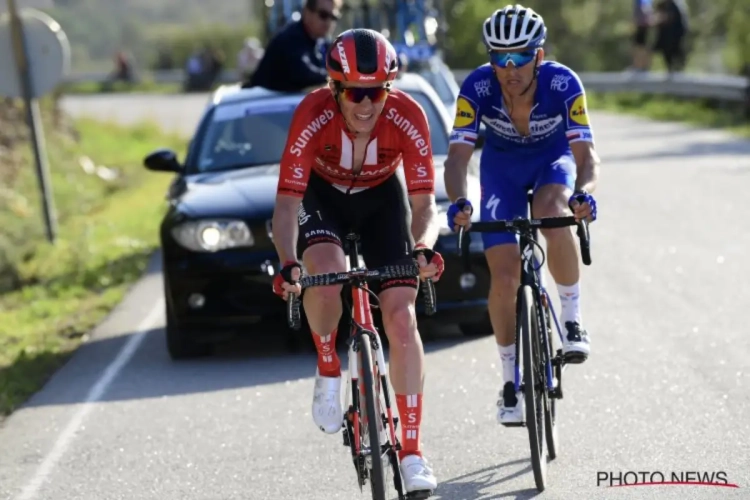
(481,135)
(162,160)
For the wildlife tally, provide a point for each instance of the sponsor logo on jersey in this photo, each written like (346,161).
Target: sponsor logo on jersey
(308,132)
(580,135)
(560,83)
(482,88)
(411,131)
(539,129)
(578,113)
(465,114)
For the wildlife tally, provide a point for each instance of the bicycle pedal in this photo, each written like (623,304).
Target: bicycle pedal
(513,424)
(419,495)
(575,358)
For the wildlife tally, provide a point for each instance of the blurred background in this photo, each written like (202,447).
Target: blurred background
(133,37)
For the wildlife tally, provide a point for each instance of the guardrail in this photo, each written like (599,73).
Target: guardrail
(720,87)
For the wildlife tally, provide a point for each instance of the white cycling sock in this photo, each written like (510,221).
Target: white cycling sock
(569,296)
(508,360)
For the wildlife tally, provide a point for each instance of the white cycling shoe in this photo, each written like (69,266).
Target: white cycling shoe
(510,408)
(326,407)
(576,343)
(417,474)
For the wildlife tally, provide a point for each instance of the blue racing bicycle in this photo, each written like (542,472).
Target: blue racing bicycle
(542,372)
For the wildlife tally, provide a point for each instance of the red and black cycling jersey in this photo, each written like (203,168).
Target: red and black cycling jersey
(319,141)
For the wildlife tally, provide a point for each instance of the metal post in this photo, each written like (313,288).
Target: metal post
(33,120)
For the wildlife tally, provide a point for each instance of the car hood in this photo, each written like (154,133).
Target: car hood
(250,193)
(246,193)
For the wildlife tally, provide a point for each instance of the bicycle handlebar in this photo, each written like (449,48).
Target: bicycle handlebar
(357,275)
(521,224)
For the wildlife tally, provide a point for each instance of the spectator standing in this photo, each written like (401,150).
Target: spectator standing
(642,19)
(293,59)
(671,33)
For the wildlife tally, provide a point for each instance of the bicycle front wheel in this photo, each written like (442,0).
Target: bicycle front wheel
(532,378)
(377,475)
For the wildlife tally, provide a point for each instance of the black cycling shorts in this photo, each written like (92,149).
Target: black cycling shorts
(380,215)
(640,36)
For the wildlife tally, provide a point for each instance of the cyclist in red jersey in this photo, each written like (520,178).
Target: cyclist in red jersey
(338,169)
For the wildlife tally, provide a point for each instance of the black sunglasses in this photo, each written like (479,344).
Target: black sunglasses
(325,15)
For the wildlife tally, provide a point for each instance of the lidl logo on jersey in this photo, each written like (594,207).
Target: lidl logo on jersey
(465,114)
(578,113)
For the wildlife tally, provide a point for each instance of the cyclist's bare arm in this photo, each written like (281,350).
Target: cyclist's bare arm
(456,170)
(587,164)
(284,226)
(425,227)
(419,172)
(294,172)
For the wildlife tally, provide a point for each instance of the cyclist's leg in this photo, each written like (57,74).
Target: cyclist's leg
(319,244)
(387,240)
(551,194)
(504,197)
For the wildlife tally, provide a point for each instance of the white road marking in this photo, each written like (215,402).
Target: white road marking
(96,392)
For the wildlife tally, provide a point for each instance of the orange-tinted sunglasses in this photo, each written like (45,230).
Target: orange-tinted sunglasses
(358,94)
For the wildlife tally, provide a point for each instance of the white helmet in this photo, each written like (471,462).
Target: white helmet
(514,27)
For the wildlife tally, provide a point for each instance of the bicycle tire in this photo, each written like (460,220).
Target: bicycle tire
(550,404)
(534,412)
(377,475)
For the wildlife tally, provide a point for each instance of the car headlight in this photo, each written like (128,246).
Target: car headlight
(213,235)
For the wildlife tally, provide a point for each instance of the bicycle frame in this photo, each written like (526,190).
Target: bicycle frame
(362,324)
(533,276)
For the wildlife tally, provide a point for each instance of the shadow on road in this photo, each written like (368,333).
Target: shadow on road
(253,361)
(473,486)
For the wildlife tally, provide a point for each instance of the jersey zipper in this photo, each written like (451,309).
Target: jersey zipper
(364,159)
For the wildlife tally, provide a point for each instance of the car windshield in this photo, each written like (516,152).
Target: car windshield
(436,79)
(254,132)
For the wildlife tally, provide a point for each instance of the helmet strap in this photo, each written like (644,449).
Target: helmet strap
(533,78)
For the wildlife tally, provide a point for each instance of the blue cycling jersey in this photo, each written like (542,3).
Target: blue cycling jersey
(558,117)
(511,163)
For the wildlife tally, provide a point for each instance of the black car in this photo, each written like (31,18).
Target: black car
(218,256)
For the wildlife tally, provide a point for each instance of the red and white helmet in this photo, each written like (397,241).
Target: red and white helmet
(362,56)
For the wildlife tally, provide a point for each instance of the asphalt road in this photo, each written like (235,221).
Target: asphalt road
(666,388)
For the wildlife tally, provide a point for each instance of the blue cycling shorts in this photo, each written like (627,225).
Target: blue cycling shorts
(506,180)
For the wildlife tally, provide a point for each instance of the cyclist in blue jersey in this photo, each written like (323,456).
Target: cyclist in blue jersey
(538,137)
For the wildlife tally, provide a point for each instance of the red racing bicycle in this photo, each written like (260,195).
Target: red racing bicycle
(369,430)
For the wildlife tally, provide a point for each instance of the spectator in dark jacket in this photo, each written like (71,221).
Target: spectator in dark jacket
(671,32)
(293,59)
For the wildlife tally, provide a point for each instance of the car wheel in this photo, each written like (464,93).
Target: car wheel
(480,328)
(181,346)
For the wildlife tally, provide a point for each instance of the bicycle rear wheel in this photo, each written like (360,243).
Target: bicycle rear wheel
(532,378)
(377,471)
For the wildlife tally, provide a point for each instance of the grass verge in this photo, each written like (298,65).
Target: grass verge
(120,87)
(107,229)
(700,112)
